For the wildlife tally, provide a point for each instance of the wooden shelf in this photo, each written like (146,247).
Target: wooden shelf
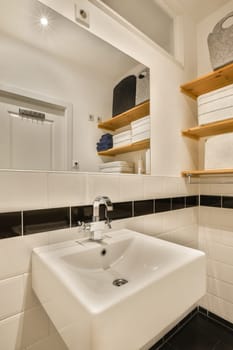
(137,146)
(211,129)
(207,172)
(210,82)
(127,117)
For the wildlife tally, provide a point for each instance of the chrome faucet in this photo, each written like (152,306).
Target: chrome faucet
(97,226)
(96,208)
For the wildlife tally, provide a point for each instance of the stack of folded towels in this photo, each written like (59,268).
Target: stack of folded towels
(117,167)
(122,139)
(140,129)
(104,143)
(215,105)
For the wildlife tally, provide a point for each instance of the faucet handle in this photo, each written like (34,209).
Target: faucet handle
(86,226)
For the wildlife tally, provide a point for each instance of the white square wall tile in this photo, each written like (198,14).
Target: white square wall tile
(220,253)
(153,186)
(15,253)
(170,220)
(67,189)
(35,326)
(11,332)
(19,331)
(218,218)
(66,234)
(29,298)
(220,289)
(153,224)
(172,186)
(136,224)
(131,187)
(186,217)
(22,190)
(11,297)
(220,307)
(52,342)
(103,185)
(220,271)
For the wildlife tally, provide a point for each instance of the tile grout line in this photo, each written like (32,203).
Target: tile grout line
(70,217)
(22,224)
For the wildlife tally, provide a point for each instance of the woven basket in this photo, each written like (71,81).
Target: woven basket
(220,43)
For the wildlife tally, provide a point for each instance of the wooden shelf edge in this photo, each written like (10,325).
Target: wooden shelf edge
(207,172)
(126,117)
(188,133)
(137,146)
(211,129)
(187,93)
(208,82)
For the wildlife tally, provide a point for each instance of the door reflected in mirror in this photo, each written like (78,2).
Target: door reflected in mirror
(58,84)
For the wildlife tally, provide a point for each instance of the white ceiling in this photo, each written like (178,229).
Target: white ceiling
(62,38)
(199,9)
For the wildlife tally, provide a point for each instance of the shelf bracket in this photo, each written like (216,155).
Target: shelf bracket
(209,179)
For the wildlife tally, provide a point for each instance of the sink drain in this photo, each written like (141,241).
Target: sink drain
(119,282)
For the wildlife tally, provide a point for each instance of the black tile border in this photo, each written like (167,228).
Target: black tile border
(143,207)
(123,210)
(10,225)
(192,201)
(49,219)
(225,202)
(211,201)
(163,204)
(205,313)
(178,203)
(35,221)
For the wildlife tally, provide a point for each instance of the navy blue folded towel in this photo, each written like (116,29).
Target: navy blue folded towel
(106,137)
(104,143)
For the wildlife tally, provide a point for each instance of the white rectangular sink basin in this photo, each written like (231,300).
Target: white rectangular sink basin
(156,282)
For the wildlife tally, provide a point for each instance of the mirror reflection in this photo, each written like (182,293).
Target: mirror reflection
(68,100)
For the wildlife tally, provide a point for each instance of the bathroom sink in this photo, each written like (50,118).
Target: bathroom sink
(117,294)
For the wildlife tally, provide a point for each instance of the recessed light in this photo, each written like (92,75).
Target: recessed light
(44,21)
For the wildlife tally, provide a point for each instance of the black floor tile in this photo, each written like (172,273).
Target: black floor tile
(193,339)
(223,346)
(208,326)
(201,333)
(167,347)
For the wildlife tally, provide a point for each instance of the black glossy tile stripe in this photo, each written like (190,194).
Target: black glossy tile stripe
(42,220)
(199,330)
(211,201)
(143,207)
(10,225)
(45,220)
(217,201)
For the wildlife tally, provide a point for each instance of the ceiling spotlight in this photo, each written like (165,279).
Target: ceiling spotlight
(44,21)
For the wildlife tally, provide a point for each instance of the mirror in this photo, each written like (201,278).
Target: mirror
(57,82)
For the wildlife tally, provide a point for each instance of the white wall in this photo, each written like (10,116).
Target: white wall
(28,68)
(216,240)
(216,224)
(150,18)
